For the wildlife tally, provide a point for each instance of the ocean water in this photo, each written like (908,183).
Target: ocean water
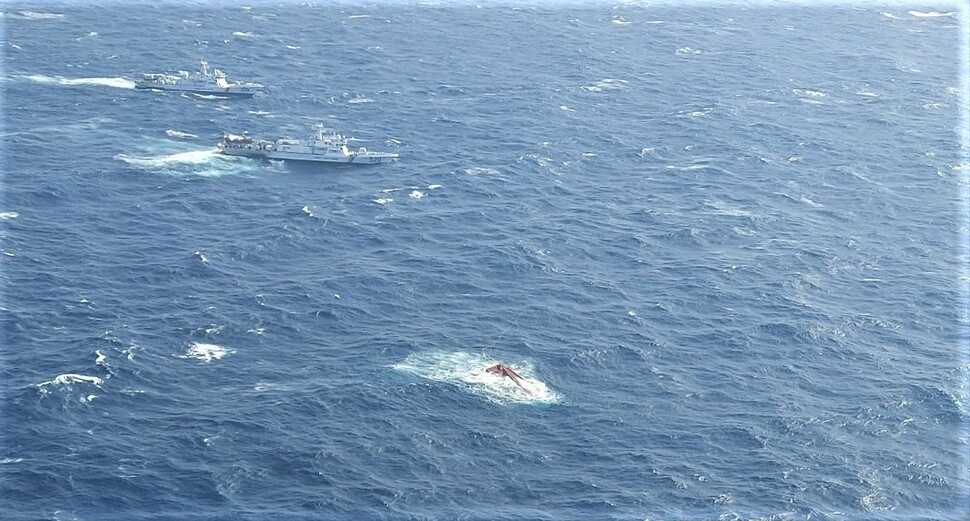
(726,246)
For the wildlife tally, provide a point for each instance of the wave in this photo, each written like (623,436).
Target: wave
(179,133)
(32,15)
(118,83)
(9,215)
(467,372)
(206,352)
(605,84)
(930,14)
(70,378)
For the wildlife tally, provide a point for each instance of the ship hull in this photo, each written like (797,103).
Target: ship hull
(210,92)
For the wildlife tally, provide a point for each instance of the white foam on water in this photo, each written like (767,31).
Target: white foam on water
(360,100)
(242,33)
(209,96)
(467,372)
(292,47)
(416,194)
(118,83)
(306,210)
(9,215)
(383,200)
(206,352)
(204,163)
(68,379)
(32,15)
(190,157)
(605,84)
(180,134)
(930,14)
(433,187)
(478,170)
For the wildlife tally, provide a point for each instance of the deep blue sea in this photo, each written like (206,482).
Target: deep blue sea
(725,245)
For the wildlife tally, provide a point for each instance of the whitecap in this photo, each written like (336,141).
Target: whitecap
(206,352)
(481,170)
(242,33)
(383,200)
(467,372)
(306,210)
(9,215)
(416,194)
(34,15)
(360,99)
(930,14)
(292,47)
(810,202)
(605,84)
(433,187)
(180,134)
(70,378)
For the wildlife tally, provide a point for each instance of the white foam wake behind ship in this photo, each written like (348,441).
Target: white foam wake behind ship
(205,81)
(323,147)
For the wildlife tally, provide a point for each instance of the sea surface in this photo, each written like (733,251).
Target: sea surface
(725,245)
